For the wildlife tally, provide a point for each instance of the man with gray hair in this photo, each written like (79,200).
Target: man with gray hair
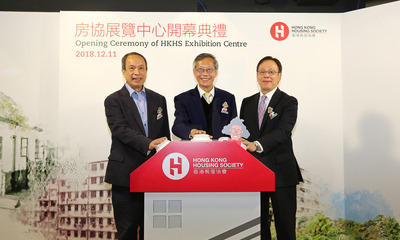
(204,109)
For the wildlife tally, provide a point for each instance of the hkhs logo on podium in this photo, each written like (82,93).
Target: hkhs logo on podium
(175,166)
(279,31)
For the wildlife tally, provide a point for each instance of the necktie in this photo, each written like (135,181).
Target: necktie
(207,97)
(261,110)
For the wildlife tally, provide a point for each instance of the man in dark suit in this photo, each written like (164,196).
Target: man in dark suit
(138,121)
(270,116)
(204,109)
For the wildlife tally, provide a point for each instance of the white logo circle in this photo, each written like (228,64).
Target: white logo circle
(175,166)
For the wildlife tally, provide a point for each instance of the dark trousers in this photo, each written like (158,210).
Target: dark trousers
(128,212)
(284,205)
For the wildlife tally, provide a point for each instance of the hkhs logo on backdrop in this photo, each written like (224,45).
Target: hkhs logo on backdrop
(175,166)
(279,31)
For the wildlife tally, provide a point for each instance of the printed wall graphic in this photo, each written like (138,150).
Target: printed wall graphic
(170,43)
(57,69)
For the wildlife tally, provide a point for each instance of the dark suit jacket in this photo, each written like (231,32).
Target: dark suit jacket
(130,145)
(274,136)
(189,113)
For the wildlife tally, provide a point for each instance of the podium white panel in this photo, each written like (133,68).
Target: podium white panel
(203,215)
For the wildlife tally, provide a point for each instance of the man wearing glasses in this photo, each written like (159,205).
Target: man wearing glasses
(270,142)
(204,109)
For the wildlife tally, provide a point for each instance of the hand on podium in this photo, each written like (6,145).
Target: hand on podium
(156,142)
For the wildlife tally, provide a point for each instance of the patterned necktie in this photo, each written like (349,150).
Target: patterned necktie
(261,110)
(207,97)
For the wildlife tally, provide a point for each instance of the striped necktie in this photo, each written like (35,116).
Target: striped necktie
(261,110)
(207,97)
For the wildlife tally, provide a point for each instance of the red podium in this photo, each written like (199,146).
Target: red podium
(202,190)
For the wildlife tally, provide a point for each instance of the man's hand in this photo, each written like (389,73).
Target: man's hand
(251,147)
(155,142)
(196,131)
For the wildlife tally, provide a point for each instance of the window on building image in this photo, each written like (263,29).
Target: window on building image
(37,149)
(1,147)
(94,167)
(102,166)
(93,194)
(24,147)
(101,207)
(83,194)
(92,234)
(93,180)
(93,222)
(101,193)
(83,234)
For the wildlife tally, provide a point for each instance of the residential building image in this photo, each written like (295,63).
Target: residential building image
(67,211)
(22,148)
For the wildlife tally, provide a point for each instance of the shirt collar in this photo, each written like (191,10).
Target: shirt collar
(131,91)
(269,94)
(201,91)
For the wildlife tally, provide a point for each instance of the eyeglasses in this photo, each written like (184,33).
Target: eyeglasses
(269,72)
(208,70)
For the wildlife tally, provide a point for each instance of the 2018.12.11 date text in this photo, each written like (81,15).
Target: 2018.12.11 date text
(96,54)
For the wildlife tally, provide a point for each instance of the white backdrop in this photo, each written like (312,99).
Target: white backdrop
(311,72)
(371,118)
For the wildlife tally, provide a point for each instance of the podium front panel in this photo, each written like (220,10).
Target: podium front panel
(200,216)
